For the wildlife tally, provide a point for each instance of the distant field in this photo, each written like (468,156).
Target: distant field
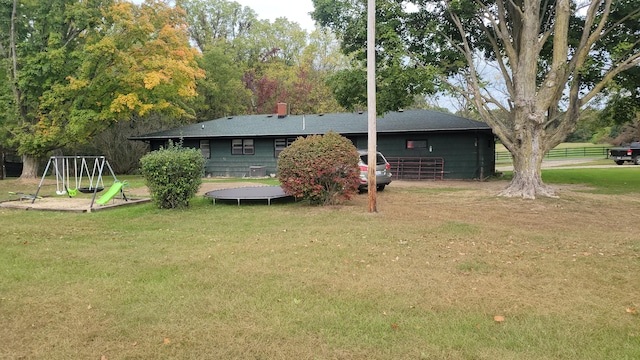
(564,150)
(500,147)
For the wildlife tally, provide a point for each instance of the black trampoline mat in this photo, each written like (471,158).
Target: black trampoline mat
(248,193)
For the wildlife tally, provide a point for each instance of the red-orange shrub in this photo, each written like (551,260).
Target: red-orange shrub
(322,169)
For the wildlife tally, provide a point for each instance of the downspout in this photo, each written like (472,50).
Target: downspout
(479,158)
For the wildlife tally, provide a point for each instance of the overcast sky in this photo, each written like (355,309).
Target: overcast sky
(294,10)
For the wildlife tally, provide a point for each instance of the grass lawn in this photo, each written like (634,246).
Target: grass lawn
(613,180)
(424,278)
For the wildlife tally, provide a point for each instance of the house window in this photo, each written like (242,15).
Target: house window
(242,147)
(416,144)
(204,149)
(281,144)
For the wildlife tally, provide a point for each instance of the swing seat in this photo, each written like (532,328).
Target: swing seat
(90,190)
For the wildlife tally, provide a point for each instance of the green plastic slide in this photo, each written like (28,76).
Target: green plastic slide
(113,190)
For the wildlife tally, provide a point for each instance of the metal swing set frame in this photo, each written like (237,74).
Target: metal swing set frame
(78,166)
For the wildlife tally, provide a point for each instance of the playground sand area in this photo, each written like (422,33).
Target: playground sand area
(74,204)
(49,200)
(83,203)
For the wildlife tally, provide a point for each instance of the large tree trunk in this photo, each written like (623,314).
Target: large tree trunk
(29,168)
(527,154)
(527,181)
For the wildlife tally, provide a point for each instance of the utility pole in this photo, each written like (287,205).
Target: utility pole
(371,104)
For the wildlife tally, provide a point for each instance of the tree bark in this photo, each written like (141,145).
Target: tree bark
(29,168)
(527,181)
(528,151)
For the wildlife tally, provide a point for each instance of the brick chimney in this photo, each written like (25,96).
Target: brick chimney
(282,110)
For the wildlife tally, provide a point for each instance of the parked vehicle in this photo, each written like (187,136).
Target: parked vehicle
(383,171)
(629,153)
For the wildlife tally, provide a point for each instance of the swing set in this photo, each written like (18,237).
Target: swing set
(85,173)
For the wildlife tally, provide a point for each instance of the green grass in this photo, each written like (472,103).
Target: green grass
(561,152)
(616,180)
(604,181)
(421,279)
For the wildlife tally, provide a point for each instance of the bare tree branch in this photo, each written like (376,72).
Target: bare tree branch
(608,77)
(496,48)
(619,22)
(504,35)
(515,7)
(501,130)
(589,37)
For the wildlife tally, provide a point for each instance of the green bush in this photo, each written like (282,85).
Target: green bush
(321,169)
(173,175)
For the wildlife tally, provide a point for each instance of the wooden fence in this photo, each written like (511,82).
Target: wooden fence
(579,152)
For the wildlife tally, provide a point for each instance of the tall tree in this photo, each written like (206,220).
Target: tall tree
(253,64)
(222,92)
(551,57)
(75,67)
(622,96)
(217,22)
(623,99)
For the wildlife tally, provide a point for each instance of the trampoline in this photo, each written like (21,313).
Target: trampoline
(248,193)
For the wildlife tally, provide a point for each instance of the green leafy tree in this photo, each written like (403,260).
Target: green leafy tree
(222,92)
(320,168)
(398,76)
(622,95)
(623,99)
(216,23)
(586,127)
(221,29)
(253,64)
(296,74)
(551,58)
(125,157)
(75,67)
(320,60)
(173,175)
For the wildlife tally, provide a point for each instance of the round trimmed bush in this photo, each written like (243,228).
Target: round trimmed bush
(320,168)
(173,175)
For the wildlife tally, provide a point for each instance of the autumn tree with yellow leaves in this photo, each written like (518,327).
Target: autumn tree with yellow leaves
(73,68)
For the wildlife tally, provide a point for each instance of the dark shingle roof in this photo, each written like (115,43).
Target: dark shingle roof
(295,125)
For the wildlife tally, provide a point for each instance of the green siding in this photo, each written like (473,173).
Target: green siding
(466,154)
(223,163)
(466,146)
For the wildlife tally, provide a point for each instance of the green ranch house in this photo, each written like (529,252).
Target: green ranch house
(419,144)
